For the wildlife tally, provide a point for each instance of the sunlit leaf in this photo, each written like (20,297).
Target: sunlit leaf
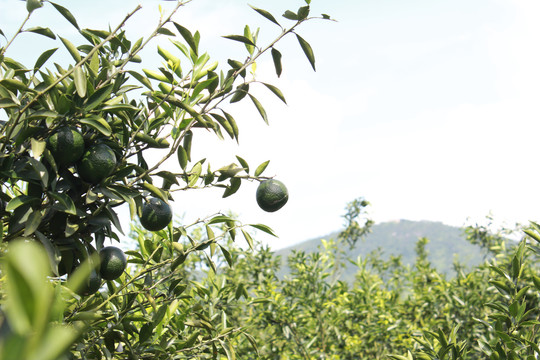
(186,34)
(66,14)
(98,124)
(240,38)
(243,163)
(276,91)
(80,81)
(259,107)
(64,203)
(260,169)
(42,31)
(98,97)
(32,223)
(71,49)
(264,228)
(290,15)
(44,57)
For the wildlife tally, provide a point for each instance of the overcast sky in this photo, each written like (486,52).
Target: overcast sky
(428,109)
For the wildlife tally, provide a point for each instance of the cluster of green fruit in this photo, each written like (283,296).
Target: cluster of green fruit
(93,163)
(86,163)
(97,162)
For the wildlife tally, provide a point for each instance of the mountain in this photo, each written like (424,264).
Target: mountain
(446,244)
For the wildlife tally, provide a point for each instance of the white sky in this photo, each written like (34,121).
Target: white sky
(427,109)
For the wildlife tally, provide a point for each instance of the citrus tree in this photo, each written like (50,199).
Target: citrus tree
(74,144)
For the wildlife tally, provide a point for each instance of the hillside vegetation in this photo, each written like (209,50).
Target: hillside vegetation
(447,244)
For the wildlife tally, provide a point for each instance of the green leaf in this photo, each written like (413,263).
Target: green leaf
(188,139)
(30,294)
(64,203)
(32,223)
(249,35)
(264,228)
(146,332)
(219,219)
(536,281)
(232,122)
(260,108)
(143,80)
(98,124)
(260,169)
(266,14)
(182,157)
(233,187)
(397,357)
(186,34)
(42,31)
(225,124)
(20,200)
(276,91)
(240,92)
(290,15)
(303,12)
(532,234)
(167,55)
(44,57)
(227,256)
(40,170)
(6,103)
(98,97)
(240,38)
(307,50)
(111,214)
(80,81)
(229,171)
(32,5)
(66,14)
(229,350)
(156,191)
(194,174)
(15,84)
(248,238)
(165,31)
(71,49)
(37,146)
(156,75)
(243,163)
(276,57)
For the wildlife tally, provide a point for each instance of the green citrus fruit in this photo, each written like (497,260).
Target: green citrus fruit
(66,146)
(92,284)
(113,262)
(97,163)
(272,195)
(156,214)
